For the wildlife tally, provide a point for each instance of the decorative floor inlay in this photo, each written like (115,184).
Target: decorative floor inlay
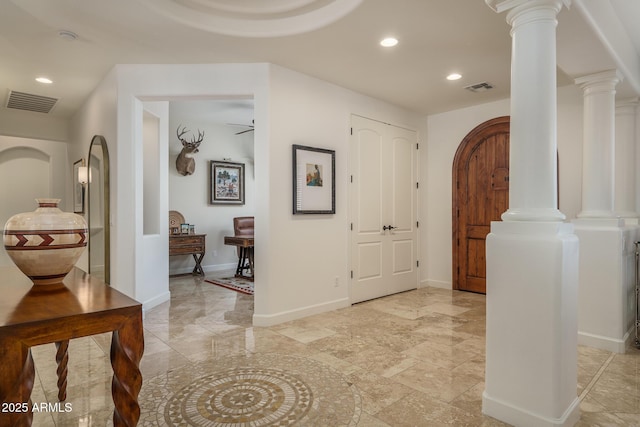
(250,390)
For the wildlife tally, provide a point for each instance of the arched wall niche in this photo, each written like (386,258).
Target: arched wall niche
(29,172)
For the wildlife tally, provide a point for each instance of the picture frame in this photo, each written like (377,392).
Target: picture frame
(314,177)
(226,183)
(78,187)
(184,228)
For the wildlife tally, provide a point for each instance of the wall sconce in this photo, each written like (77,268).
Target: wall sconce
(83,175)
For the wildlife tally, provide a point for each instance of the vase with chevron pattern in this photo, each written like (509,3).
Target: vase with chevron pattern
(46,243)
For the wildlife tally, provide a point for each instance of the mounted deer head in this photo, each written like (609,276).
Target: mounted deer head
(185,164)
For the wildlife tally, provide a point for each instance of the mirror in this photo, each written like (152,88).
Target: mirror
(98,208)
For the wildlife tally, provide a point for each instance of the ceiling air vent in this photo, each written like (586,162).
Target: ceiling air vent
(30,102)
(480,87)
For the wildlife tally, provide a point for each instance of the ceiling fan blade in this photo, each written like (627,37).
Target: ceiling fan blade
(244,131)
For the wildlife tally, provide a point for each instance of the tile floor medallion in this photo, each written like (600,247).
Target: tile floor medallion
(255,390)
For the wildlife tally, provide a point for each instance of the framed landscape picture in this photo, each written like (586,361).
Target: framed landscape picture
(227,183)
(314,173)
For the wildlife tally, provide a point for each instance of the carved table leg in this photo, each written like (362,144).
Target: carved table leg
(62,358)
(17,374)
(127,345)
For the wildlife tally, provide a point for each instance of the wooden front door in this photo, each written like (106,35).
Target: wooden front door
(480,195)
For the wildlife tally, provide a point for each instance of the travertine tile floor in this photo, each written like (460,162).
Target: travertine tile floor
(416,358)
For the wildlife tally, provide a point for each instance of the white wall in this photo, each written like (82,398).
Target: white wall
(445,132)
(29,124)
(96,117)
(189,194)
(311,251)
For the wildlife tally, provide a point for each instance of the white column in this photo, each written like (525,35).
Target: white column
(606,245)
(625,160)
(598,146)
(532,255)
(533,190)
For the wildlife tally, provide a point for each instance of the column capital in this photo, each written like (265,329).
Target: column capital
(604,79)
(500,6)
(628,105)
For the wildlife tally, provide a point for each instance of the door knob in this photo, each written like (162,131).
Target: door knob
(388,227)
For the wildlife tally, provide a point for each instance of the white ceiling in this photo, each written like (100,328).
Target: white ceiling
(437,37)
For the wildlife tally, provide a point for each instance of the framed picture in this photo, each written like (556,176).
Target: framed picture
(78,186)
(184,228)
(314,173)
(227,183)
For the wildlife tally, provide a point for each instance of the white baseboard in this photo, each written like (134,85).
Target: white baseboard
(286,316)
(510,414)
(153,302)
(436,284)
(613,345)
(206,268)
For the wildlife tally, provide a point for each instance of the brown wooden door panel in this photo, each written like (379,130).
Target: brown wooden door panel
(480,195)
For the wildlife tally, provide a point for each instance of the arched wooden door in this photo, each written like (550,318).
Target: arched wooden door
(480,195)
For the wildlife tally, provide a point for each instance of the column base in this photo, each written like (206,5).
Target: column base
(521,417)
(533,215)
(607,283)
(531,344)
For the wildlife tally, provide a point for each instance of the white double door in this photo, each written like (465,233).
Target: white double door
(383,209)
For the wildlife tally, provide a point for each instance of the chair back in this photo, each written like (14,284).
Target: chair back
(243,226)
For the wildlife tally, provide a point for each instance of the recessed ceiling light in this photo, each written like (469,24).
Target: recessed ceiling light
(454,76)
(44,80)
(389,42)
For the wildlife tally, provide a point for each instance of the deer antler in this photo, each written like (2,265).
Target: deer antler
(200,138)
(184,130)
(194,141)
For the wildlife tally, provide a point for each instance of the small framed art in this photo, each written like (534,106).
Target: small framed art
(227,183)
(314,173)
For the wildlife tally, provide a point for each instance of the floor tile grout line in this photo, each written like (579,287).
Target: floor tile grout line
(596,377)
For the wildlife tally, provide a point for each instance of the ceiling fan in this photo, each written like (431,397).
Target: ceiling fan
(243,131)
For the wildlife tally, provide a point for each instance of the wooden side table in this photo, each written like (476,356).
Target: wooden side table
(189,244)
(82,306)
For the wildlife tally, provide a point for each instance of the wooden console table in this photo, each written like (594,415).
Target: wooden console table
(81,306)
(189,244)
(245,260)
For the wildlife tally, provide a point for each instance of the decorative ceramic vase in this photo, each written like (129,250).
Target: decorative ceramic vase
(45,244)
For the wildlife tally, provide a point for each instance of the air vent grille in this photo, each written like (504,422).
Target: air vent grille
(479,87)
(30,102)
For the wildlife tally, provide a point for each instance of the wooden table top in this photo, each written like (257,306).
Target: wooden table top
(244,241)
(81,294)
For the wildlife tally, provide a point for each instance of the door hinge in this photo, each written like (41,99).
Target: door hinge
(417,263)
(351,131)
(417,185)
(458,242)
(352,274)
(417,146)
(351,178)
(351,227)
(417,224)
